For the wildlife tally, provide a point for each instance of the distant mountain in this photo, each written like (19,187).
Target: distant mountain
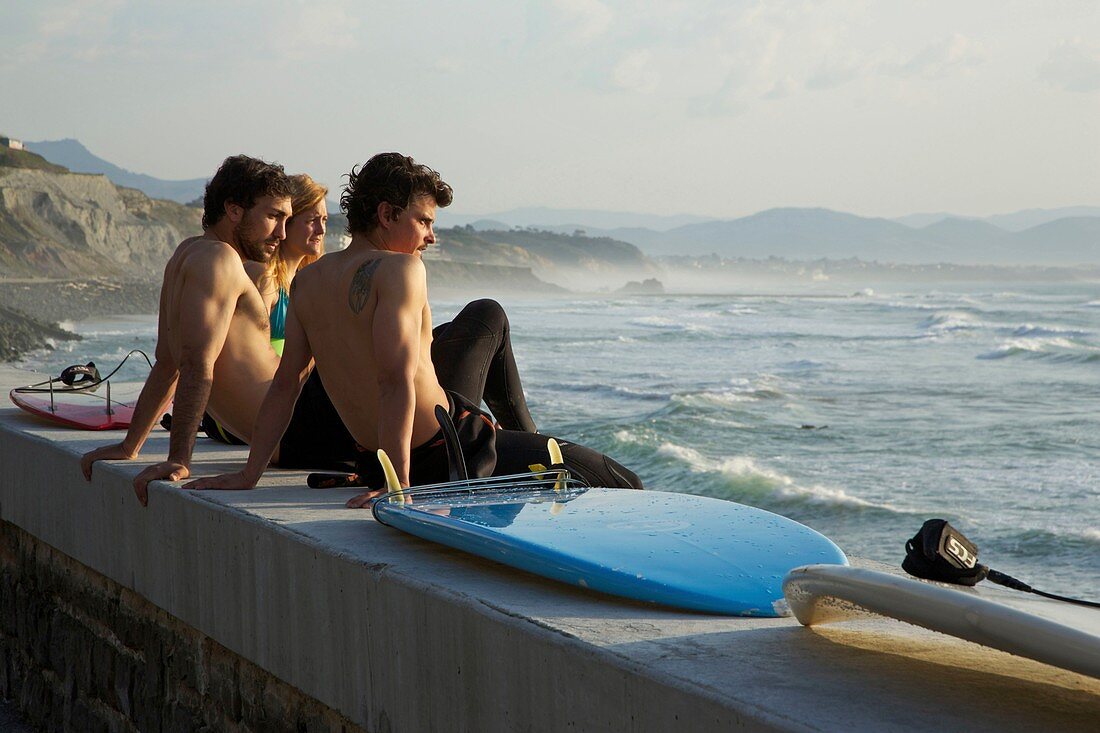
(919,221)
(1013,222)
(803,234)
(811,234)
(77,158)
(963,234)
(1068,241)
(1020,220)
(566,221)
(489,225)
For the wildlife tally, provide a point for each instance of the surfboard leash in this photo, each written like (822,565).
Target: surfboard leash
(941,552)
(79,377)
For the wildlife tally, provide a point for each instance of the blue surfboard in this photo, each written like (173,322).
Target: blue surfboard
(671,549)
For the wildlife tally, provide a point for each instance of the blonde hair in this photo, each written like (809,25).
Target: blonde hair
(305,193)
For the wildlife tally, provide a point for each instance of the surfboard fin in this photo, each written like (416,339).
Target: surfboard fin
(397,496)
(556,459)
(456,462)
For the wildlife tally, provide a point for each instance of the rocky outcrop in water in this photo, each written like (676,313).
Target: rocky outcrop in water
(649,286)
(20,333)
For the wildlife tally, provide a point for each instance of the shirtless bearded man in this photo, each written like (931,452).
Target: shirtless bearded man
(363,314)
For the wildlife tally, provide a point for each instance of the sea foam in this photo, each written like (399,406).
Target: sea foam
(947,321)
(1037,346)
(746,477)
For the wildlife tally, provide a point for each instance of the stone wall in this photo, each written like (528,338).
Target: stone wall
(80,652)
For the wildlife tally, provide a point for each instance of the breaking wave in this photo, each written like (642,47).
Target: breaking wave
(1028,329)
(948,321)
(1056,347)
(741,477)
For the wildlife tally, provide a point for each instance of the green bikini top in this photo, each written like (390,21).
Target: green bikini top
(278,321)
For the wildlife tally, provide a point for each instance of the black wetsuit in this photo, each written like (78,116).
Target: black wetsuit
(473,357)
(316,436)
(513,451)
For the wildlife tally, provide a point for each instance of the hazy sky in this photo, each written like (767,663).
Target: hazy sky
(714,108)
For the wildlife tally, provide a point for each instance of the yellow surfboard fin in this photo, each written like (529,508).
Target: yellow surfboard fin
(557,459)
(555,451)
(392,484)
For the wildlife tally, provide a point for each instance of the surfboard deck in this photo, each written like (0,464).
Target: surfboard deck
(1057,633)
(83,410)
(677,550)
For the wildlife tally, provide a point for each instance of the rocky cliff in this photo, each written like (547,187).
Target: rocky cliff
(576,261)
(60,224)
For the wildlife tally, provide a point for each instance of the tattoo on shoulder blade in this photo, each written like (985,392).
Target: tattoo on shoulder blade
(360,288)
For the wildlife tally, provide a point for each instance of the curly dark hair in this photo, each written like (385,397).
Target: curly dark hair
(391,177)
(241,180)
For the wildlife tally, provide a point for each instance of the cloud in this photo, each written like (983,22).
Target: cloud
(722,59)
(308,30)
(1073,66)
(782,88)
(77,18)
(635,72)
(75,29)
(835,73)
(585,20)
(939,60)
(447,65)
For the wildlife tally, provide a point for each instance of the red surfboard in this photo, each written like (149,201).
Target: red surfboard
(83,410)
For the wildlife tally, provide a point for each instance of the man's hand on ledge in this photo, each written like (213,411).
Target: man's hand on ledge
(166,470)
(116,452)
(362,500)
(231,481)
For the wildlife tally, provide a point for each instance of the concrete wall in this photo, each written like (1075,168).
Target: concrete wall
(350,623)
(83,653)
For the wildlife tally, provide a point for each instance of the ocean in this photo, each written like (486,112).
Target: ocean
(860,416)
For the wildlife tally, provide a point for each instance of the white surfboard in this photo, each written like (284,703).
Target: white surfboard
(1057,633)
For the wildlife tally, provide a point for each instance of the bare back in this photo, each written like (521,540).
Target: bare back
(366,318)
(206,280)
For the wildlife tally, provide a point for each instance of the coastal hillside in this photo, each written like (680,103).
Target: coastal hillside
(54,223)
(575,260)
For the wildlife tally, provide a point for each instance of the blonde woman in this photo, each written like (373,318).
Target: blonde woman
(304,245)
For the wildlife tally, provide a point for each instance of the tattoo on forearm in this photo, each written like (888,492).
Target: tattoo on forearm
(359,292)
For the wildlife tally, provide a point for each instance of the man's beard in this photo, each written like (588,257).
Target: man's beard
(252,247)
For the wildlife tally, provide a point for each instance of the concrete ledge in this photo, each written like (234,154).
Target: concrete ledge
(399,634)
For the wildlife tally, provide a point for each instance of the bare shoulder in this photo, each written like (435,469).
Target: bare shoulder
(394,272)
(183,249)
(402,266)
(307,277)
(210,259)
(393,276)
